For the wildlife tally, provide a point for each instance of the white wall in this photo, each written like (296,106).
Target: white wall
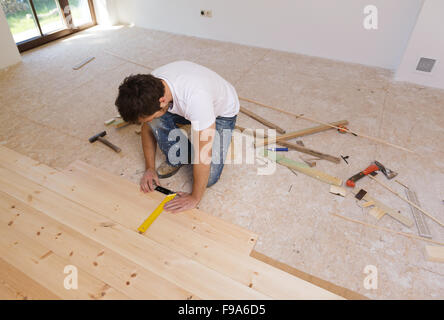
(427,41)
(9,54)
(326,28)
(106,12)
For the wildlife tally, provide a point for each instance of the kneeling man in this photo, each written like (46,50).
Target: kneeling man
(181,93)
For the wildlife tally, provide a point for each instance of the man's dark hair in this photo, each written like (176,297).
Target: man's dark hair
(139,97)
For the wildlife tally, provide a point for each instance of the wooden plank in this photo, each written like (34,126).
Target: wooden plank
(435,254)
(103,263)
(300,133)
(340,291)
(196,220)
(386,209)
(205,251)
(223,259)
(299,148)
(312,152)
(167,263)
(303,168)
(18,286)
(261,120)
(338,191)
(47,268)
(301,116)
(83,63)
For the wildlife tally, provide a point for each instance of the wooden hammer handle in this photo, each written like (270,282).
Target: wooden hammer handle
(109,144)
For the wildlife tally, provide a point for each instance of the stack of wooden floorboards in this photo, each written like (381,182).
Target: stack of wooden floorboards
(88,218)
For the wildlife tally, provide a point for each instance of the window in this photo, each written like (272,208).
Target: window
(34,22)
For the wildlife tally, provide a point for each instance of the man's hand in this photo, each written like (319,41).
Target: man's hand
(183,201)
(148,179)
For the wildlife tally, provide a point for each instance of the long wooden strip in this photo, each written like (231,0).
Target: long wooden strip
(19,286)
(206,251)
(435,254)
(103,263)
(408,201)
(83,63)
(301,133)
(310,151)
(196,220)
(327,124)
(167,263)
(47,268)
(299,148)
(408,235)
(303,168)
(262,120)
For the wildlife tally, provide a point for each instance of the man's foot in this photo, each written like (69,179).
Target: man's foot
(166,171)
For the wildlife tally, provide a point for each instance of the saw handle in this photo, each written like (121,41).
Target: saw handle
(356,177)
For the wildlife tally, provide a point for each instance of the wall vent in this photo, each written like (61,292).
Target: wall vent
(426,64)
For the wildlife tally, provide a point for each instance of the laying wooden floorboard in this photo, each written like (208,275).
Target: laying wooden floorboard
(46,268)
(343,292)
(202,266)
(196,220)
(165,262)
(16,285)
(89,255)
(221,258)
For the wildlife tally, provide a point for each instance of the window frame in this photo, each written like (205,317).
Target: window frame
(45,38)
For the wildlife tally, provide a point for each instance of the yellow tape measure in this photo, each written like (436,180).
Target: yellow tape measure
(153,216)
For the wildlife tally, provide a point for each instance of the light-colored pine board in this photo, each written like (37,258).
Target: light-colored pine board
(47,268)
(206,251)
(18,286)
(167,263)
(386,209)
(245,270)
(83,63)
(196,220)
(434,253)
(103,263)
(300,133)
(7,293)
(341,291)
(261,120)
(303,168)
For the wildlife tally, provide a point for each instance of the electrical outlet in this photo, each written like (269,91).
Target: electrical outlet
(206,13)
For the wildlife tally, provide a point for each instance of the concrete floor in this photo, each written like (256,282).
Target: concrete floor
(48,111)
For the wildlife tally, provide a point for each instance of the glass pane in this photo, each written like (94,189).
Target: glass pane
(20,19)
(80,12)
(49,15)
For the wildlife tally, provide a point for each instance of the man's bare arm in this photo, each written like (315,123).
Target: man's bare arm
(201,169)
(201,172)
(149,151)
(148,146)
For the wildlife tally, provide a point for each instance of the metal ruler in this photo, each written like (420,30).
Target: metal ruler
(423,229)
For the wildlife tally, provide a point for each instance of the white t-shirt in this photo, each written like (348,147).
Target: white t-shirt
(199,94)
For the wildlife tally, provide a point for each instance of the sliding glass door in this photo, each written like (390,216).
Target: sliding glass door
(34,22)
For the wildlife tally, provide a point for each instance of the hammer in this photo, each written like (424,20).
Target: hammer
(104,141)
